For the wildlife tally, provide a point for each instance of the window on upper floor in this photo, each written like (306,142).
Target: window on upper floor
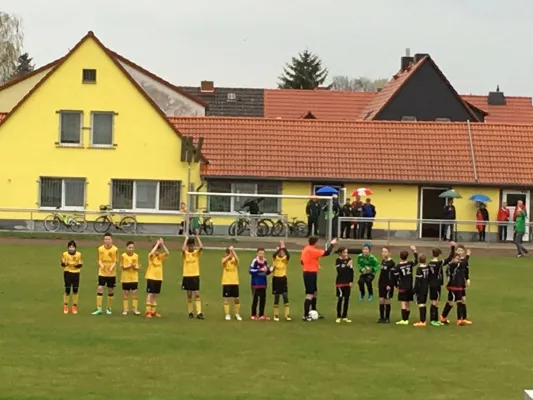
(70,124)
(228,204)
(88,76)
(66,193)
(145,195)
(102,127)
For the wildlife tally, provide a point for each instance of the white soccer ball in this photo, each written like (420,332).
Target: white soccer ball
(313,314)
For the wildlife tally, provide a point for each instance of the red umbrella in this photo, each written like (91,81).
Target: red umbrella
(362,192)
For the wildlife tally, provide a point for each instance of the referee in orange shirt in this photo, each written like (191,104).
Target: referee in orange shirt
(310,264)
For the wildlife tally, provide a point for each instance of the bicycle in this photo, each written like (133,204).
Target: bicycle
(243,224)
(102,224)
(204,225)
(296,227)
(76,222)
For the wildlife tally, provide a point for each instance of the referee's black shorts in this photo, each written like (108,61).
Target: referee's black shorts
(310,282)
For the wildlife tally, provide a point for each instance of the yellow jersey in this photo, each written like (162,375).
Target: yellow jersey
(70,261)
(155,267)
(280,266)
(191,262)
(108,257)
(230,272)
(130,274)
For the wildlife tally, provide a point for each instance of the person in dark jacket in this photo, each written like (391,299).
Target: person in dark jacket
(369,211)
(357,212)
(448,214)
(482,217)
(336,213)
(346,225)
(313,212)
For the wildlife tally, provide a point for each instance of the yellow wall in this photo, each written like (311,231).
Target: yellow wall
(295,208)
(147,148)
(10,96)
(466,209)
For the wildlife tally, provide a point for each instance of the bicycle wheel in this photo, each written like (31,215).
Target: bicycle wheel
(208,227)
(232,230)
(242,226)
(52,223)
(101,224)
(128,225)
(278,228)
(262,229)
(300,228)
(78,223)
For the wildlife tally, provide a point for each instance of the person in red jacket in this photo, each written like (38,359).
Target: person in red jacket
(503,220)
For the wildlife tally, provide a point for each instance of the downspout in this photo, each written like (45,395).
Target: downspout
(197,200)
(472,153)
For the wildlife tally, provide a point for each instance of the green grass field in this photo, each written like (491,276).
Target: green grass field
(47,355)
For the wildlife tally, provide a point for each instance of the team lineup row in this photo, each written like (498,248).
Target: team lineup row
(426,282)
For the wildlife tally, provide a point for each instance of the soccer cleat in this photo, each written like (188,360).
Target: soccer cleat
(436,323)
(74,309)
(287,318)
(467,322)
(381,321)
(264,318)
(136,312)
(361,297)
(254,317)
(200,316)
(276,318)
(148,315)
(419,324)
(97,312)
(307,319)
(320,316)
(444,321)
(157,315)
(402,322)
(348,321)
(65,309)
(370,297)
(108,311)
(125,312)
(227,317)
(460,322)
(338,320)
(238,317)
(191,315)
(386,321)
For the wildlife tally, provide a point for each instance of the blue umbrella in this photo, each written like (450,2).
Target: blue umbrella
(327,191)
(480,198)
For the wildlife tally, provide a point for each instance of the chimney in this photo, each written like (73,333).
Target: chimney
(419,56)
(406,61)
(496,98)
(207,86)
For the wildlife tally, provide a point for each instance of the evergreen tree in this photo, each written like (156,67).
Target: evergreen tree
(304,72)
(24,65)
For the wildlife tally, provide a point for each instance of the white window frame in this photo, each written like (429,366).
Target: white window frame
(234,211)
(63,207)
(112,144)
(157,197)
(59,142)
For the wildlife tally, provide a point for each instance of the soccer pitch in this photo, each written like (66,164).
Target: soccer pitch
(47,355)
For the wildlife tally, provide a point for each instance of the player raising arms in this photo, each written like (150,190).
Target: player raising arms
(191,252)
(154,276)
(421,289)
(129,277)
(343,284)
(71,262)
(404,275)
(107,273)
(230,283)
(456,287)
(259,271)
(279,280)
(436,280)
(386,282)
(368,265)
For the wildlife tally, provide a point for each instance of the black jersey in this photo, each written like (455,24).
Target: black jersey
(457,272)
(422,279)
(436,269)
(344,272)
(466,266)
(386,274)
(404,274)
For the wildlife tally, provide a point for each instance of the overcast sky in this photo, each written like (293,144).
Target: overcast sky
(244,43)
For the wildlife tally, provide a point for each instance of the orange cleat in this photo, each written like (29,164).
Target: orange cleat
(419,324)
(467,322)
(157,315)
(148,315)
(444,321)
(460,322)
(65,309)
(74,309)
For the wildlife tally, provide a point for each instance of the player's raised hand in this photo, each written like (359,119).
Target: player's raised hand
(413,249)
(281,244)
(333,241)
(452,244)
(468,252)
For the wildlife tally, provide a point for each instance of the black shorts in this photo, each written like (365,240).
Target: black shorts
(310,282)
(455,295)
(153,286)
(421,297)
(190,283)
(464,292)
(434,293)
(279,285)
(230,291)
(72,279)
(127,286)
(384,293)
(406,295)
(343,291)
(109,281)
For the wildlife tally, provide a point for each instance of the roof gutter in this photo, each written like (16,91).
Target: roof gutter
(472,153)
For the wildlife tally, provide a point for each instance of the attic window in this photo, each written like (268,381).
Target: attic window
(232,97)
(409,118)
(89,76)
(443,119)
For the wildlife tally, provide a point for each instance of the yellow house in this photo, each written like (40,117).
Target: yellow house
(81,133)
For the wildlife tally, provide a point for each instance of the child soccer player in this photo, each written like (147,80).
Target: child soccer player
(456,287)
(385,286)
(368,265)
(279,280)
(230,283)
(404,275)
(421,289)
(71,262)
(107,273)
(129,263)
(436,280)
(259,271)
(191,252)
(154,276)
(343,283)
(461,250)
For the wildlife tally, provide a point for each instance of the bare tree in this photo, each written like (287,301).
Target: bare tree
(361,84)
(11,38)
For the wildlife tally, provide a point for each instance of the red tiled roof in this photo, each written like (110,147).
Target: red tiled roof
(2,116)
(517,110)
(323,104)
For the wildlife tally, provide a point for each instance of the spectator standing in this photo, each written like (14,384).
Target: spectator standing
(520,230)
(448,214)
(335,214)
(253,209)
(503,220)
(369,211)
(357,212)
(346,211)
(482,216)
(313,213)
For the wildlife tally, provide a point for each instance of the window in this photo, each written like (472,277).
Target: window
(102,129)
(66,193)
(70,128)
(234,204)
(409,118)
(89,76)
(145,195)
(443,119)
(318,187)
(232,97)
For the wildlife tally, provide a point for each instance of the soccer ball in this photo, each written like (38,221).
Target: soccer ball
(313,314)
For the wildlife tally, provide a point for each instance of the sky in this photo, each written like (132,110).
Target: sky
(245,43)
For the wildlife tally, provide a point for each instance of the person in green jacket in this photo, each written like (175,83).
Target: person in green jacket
(520,230)
(368,266)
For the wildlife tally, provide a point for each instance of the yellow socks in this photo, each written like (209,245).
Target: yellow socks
(237,308)
(226,308)
(125,304)
(75,297)
(135,304)
(66,298)
(198,306)
(190,307)
(286,310)
(149,308)
(109,300)
(276,310)
(99,300)
(154,307)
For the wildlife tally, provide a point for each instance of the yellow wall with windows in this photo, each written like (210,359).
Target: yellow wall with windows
(9,97)
(146,147)
(465,209)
